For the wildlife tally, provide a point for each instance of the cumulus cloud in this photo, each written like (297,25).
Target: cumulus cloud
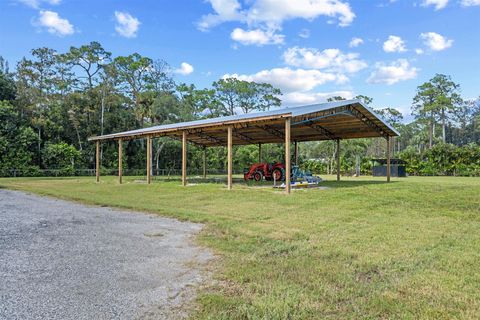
(419,51)
(272,13)
(301,98)
(297,84)
(225,10)
(185,69)
(127,25)
(277,11)
(54,24)
(399,70)
(355,42)
(307,70)
(36,3)
(256,37)
(470,3)
(333,60)
(290,80)
(394,44)
(438,4)
(435,41)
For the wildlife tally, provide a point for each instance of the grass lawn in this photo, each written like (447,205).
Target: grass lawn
(359,249)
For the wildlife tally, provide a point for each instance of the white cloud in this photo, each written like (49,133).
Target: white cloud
(256,37)
(276,11)
(290,80)
(438,4)
(272,13)
(185,69)
(127,25)
(225,10)
(36,3)
(435,41)
(394,44)
(333,60)
(305,33)
(355,42)
(470,3)
(301,98)
(54,23)
(419,51)
(297,84)
(392,73)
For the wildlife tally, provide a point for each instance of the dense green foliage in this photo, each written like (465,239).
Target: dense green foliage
(360,249)
(17,142)
(444,159)
(60,155)
(54,101)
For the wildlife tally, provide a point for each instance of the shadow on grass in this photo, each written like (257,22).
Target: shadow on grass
(250,183)
(219,179)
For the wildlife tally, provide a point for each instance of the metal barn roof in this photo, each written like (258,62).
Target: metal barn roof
(344,119)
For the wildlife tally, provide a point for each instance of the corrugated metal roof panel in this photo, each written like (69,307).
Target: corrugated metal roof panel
(293,111)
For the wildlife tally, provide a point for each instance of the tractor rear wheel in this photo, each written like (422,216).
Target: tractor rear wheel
(257,176)
(278,174)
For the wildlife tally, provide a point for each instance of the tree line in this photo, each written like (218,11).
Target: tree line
(53,101)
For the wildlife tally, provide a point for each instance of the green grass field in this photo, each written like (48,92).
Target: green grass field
(360,249)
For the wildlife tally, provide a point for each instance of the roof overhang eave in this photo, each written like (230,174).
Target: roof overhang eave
(184,126)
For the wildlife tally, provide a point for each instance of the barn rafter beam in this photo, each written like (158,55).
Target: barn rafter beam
(209,138)
(203,135)
(273,131)
(357,114)
(179,138)
(322,130)
(242,136)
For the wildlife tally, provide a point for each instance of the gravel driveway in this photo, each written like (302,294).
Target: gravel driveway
(62,260)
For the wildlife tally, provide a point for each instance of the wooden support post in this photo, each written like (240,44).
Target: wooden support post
(287,156)
(204,162)
(295,153)
(120,155)
(184,158)
(97,161)
(259,153)
(338,159)
(149,159)
(388,159)
(229,151)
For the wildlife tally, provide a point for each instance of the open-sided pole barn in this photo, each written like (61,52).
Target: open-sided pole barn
(347,119)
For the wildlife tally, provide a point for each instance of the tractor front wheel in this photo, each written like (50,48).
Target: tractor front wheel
(257,176)
(278,174)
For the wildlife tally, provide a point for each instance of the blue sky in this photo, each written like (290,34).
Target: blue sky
(311,49)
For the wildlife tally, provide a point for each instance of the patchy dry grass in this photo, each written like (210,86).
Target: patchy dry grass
(359,249)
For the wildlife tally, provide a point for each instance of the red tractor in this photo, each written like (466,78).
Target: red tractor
(269,171)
